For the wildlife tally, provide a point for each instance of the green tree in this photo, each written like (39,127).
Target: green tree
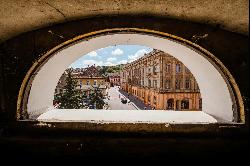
(96,98)
(71,98)
(110,70)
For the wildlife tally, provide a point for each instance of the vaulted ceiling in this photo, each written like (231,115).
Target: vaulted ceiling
(21,16)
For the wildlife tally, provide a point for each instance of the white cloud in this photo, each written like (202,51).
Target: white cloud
(117,52)
(92,54)
(111,59)
(137,55)
(92,62)
(122,62)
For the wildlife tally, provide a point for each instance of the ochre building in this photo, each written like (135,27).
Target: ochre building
(161,82)
(87,79)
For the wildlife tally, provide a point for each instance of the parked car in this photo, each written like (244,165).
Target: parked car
(91,107)
(124,101)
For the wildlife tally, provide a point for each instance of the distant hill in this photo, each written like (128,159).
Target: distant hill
(109,69)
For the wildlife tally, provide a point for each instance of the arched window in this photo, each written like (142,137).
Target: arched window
(219,89)
(185,104)
(170,104)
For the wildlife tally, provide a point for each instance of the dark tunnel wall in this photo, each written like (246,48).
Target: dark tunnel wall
(19,53)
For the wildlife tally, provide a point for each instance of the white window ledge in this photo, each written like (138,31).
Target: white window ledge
(127,116)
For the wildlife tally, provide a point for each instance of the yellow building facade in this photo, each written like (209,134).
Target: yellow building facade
(86,84)
(162,82)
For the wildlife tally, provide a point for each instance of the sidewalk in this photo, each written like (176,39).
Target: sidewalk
(134,100)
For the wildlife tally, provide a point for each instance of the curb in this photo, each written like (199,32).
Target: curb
(130,102)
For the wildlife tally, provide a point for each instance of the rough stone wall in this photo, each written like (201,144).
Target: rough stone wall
(20,16)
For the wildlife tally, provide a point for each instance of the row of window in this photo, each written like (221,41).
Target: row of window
(115,79)
(183,104)
(187,85)
(178,69)
(168,83)
(88,82)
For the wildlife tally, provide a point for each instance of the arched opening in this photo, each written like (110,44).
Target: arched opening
(184,104)
(219,94)
(170,104)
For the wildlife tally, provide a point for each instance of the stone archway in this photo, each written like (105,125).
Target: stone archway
(210,77)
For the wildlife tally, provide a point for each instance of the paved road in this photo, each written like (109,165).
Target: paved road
(139,104)
(115,100)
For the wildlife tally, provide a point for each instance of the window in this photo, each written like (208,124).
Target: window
(170,104)
(178,68)
(149,83)
(187,83)
(178,84)
(173,67)
(155,83)
(154,69)
(87,82)
(168,84)
(185,104)
(168,68)
(95,82)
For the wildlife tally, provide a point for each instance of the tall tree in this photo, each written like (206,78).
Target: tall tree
(96,98)
(71,98)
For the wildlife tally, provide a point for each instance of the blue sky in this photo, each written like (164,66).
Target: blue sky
(112,55)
